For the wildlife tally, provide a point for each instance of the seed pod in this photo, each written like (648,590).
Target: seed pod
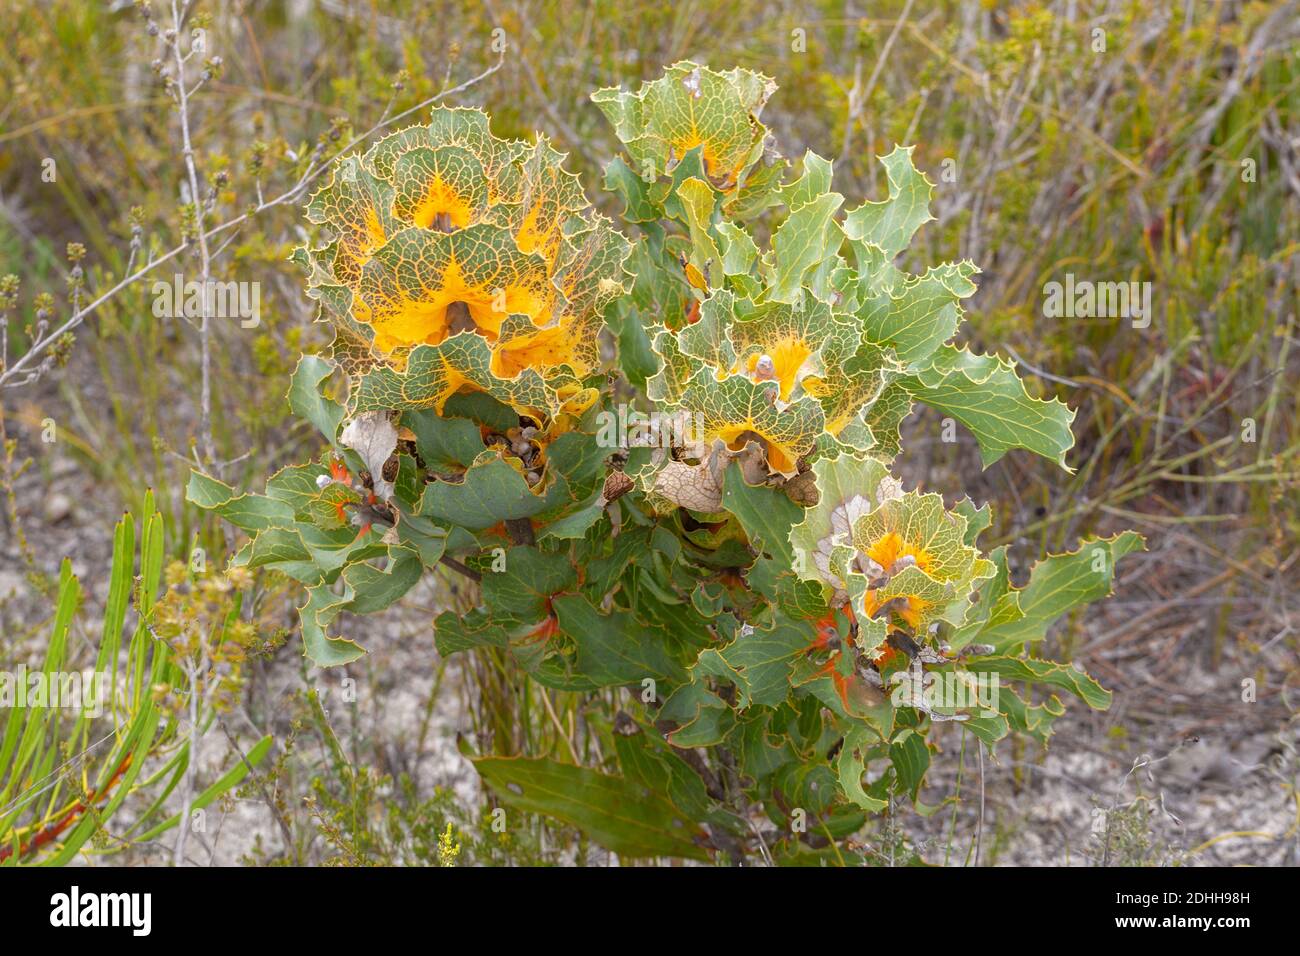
(617,484)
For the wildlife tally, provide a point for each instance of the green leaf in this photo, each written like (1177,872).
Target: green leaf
(759,662)
(1058,584)
(984,393)
(911,759)
(998,603)
(296,486)
(632,189)
(990,729)
(697,200)
(703,718)
(247,512)
(636,356)
(628,818)
(920,314)
(366,589)
(1033,719)
(739,252)
(890,224)
(521,592)
(453,632)
(578,523)
(307,401)
(1066,676)
(806,238)
(315,616)
(614,648)
(276,546)
(604,569)
(491,492)
(377,589)
(445,444)
(851,764)
(766,514)
(646,759)
(977,519)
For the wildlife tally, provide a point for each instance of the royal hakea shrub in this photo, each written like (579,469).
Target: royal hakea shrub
(667,461)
